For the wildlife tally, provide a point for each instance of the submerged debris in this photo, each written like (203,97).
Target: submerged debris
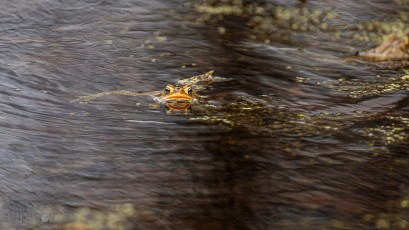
(394,48)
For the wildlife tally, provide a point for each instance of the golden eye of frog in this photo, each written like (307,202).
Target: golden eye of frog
(178,94)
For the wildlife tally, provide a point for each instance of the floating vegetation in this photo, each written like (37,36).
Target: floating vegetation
(385,128)
(395,218)
(379,30)
(292,18)
(391,133)
(260,118)
(374,87)
(220,10)
(395,131)
(125,216)
(266,21)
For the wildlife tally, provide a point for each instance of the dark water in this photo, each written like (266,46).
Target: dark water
(285,146)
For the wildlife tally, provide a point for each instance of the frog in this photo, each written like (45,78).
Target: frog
(176,97)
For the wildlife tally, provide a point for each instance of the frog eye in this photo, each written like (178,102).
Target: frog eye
(189,91)
(168,89)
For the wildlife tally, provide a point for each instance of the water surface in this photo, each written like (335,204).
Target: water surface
(284,144)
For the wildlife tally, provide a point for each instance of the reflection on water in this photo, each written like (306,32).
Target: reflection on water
(296,139)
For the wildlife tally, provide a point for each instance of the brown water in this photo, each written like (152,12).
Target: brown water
(285,145)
